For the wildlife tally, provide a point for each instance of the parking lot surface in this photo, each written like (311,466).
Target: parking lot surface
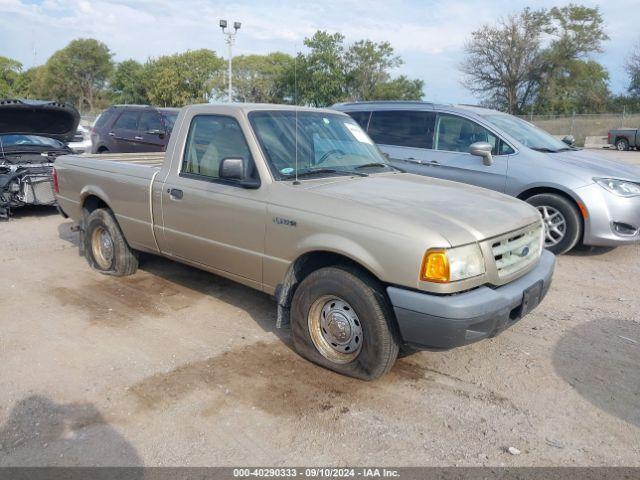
(174,366)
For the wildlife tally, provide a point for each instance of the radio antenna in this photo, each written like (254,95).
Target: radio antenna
(295,101)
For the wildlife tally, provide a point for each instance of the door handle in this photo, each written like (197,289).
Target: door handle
(175,193)
(111,134)
(137,138)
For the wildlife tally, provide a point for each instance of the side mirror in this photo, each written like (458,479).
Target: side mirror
(482,149)
(232,169)
(569,140)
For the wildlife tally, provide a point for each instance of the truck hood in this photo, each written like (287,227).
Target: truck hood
(41,118)
(587,165)
(458,212)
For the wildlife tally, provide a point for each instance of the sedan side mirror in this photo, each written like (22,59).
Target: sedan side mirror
(569,140)
(482,149)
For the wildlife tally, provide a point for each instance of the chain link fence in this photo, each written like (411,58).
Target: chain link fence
(584,125)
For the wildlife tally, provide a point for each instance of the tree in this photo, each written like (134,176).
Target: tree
(78,72)
(31,83)
(367,66)
(632,67)
(9,73)
(400,88)
(571,81)
(183,78)
(503,63)
(127,83)
(258,78)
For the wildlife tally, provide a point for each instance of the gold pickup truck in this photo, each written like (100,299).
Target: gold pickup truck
(362,258)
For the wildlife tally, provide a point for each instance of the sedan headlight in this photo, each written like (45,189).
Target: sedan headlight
(623,188)
(452,264)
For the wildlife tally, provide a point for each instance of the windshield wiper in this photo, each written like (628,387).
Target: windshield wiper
(307,173)
(378,164)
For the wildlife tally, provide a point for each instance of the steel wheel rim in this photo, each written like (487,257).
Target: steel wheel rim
(102,247)
(335,329)
(555,225)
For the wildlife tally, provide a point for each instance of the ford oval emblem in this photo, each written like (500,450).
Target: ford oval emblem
(524,252)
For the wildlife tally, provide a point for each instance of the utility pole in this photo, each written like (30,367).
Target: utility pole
(231,36)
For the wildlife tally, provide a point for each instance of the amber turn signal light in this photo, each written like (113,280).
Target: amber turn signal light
(435,267)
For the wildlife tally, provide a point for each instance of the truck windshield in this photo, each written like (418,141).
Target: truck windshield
(526,133)
(315,143)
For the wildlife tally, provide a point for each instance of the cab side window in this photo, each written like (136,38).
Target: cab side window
(211,139)
(402,128)
(456,134)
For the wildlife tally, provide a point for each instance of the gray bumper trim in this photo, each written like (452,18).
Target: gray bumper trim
(447,321)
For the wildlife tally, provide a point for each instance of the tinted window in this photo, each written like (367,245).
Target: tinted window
(150,121)
(212,138)
(403,128)
(103,118)
(362,118)
(456,134)
(128,120)
(169,119)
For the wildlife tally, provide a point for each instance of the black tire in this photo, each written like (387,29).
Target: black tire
(103,150)
(123,260)
(571,214)
(379,344)
(622,144)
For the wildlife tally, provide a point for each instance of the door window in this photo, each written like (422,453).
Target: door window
(150,121)
(212,138)
(127,121)
(456,134)
(402,128)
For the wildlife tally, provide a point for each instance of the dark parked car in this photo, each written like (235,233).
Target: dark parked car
(133,128)
(624,138)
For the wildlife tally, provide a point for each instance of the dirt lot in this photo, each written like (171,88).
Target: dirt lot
(173,366)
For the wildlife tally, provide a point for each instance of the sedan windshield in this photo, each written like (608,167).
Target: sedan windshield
(315,143)
(526,133)
(12,141)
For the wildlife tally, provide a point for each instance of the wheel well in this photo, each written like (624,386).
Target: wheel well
(621,138)
(93,202)
(539,190)
(302,267)
(102,149)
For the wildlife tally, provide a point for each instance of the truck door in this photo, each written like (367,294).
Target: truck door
(215,223)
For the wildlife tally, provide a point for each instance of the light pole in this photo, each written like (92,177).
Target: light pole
(231,36)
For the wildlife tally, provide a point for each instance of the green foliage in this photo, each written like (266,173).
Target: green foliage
(127,83)
(258,78)
(78,72)
(633,69)
(507,66)
(331,72)
(183,78)
(9,73)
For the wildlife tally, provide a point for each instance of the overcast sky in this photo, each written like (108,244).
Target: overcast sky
(429,35)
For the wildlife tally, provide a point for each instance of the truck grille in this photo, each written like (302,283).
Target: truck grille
(517,251)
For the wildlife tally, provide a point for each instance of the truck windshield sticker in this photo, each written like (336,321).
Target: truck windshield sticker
(357,132)
(287,171)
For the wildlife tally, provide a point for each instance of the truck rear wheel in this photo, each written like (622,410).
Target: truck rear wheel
(106,249)
(342,320)
(622,144)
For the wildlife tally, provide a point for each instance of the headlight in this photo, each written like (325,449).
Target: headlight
(453,264)
(622,188)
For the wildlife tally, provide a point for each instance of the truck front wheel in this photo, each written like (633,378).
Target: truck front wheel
(342,320)
(105,247)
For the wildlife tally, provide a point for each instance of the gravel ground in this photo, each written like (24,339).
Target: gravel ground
(173,366)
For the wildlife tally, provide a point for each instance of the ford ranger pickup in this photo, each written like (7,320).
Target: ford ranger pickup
(362,258)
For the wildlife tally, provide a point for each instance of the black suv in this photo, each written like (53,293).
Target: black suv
(133,128)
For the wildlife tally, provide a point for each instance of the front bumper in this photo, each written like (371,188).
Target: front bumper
(606,214)
(447,321)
